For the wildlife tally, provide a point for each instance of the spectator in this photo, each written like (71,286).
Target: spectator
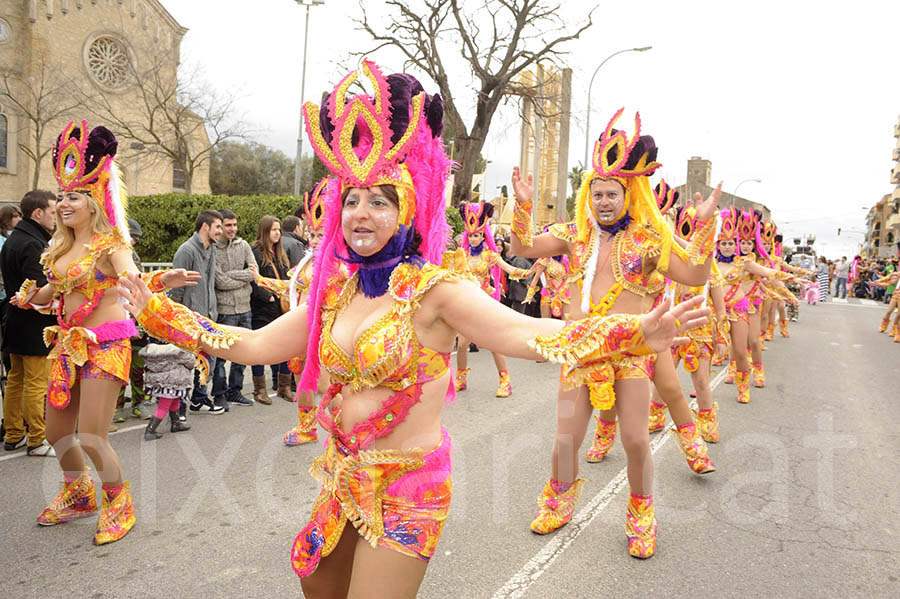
(23,335)
(199,253)
(236,269)
(841,271)
(265,305)
(293,243)
(822,277)
(10,216)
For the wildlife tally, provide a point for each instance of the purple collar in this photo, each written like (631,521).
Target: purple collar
(617,226)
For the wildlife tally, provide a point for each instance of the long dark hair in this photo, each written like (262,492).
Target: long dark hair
(265,246)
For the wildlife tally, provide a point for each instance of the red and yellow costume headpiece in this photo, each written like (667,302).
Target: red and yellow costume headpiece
(314,206)
(83,161)
(666,196)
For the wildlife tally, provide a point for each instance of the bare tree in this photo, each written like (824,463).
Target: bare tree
(499,40)
(42,98)
(176,116)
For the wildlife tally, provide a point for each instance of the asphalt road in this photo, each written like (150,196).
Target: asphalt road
(805,501)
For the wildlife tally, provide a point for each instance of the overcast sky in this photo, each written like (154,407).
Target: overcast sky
(801,96)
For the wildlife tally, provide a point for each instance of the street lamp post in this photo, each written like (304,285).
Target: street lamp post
(734,195)
(137,147)
(587,133)
(307,4)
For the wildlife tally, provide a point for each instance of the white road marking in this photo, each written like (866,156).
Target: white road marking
(869,302)
(534,568)
(837,300)
(22,453)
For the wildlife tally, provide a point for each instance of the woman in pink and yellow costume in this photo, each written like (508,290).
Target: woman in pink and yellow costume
(616,244)
(552,273)
(777,293)
(691,434)
(484,263)
(385,335)
(91,348)
(707,340)
(736,261)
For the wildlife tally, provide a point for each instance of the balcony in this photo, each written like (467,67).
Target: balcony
(895,174)
(896,154)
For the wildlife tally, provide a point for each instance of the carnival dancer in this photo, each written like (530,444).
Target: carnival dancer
(741,274)
(616,242)
(886,281)
(552,273)
(697,354)
(295,291)
(666,388)
(484,263)
(385,336)
(779,296)
(91,352)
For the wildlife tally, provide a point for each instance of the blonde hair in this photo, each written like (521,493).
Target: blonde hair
(64,237)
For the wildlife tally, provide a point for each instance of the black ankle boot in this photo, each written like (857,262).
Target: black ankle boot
(177,425)
(150,433)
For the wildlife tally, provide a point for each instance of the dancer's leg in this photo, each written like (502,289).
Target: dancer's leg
(633,407)
(331,580)
(61,435)
(668,388)
(462,353)
(98,402)
(700,379)
(573,413)
(753,339)
(381,572)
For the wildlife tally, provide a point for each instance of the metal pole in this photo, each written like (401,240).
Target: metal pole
(137,170)
(587,132)
(300,126)
(734,195)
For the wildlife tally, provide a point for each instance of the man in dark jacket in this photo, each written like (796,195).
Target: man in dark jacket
(23,338)
(293,244)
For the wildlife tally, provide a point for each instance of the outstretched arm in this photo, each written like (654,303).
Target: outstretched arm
(277,342)
(477,317)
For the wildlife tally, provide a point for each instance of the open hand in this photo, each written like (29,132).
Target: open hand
(523,188)
(707,209)
(661,326)
(133,293)
(180,277)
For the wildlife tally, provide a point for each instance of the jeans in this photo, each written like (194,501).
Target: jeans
(26,388)
(840,285)
(199,394)
(260,369)
(235,382)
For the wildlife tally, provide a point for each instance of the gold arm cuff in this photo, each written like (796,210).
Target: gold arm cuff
(703,242)
(595,338)
(521,223)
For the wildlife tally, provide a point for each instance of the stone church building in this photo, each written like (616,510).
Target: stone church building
(75,59)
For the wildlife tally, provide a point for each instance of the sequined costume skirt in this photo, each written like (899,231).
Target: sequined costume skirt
(600,377)
(395,499)
(699,348)
(555,299)
(102,352)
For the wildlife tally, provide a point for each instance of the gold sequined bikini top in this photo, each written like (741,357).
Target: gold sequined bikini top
(82,275)
(388,354)
(631,247)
